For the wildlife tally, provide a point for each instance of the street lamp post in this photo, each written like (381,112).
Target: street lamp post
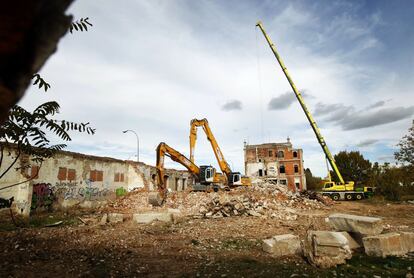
(125,131)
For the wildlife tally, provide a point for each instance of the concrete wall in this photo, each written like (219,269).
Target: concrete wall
(267,160)
(70,178)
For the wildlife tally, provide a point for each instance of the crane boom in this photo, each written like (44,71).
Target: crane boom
(298,95)
(224,166)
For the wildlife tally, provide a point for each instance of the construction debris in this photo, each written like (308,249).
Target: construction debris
(282,245)
(357,224)
(389,244)
(326,249)
(146,218)
(115,217)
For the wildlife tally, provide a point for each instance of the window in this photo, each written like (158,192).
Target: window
(71,174)
(34,172)
(270,153)
(296,167)
(260,173)
(283,182)
(62,174)
(265,172)
(282,169)
(295,154)
(119,177)
(280,154)
(297,185)
(96,175)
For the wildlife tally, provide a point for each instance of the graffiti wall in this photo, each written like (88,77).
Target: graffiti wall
(68,179)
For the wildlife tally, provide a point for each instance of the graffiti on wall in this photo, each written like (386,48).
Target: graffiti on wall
(42,196)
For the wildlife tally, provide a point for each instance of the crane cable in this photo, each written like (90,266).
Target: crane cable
(259,76)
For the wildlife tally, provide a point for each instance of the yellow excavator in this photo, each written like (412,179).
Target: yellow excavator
(335,190)
(233,179)
(206,176)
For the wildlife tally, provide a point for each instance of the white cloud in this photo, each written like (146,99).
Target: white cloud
(152,66)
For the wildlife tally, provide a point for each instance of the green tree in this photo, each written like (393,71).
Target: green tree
(312,183)
(28,133)
(405,155)
(353,167)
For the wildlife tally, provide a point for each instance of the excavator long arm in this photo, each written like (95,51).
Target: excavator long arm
(164,150)
(195,123)
(312,122)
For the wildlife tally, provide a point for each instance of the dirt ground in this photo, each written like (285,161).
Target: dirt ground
(194,247)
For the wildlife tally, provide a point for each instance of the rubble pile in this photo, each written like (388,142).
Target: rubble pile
(263,199)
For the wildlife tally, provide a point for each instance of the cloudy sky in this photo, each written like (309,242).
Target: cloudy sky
(152,66)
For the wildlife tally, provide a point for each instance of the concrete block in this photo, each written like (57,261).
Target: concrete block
(104,219)
(407,240)
(148,217)
(326,249)
(384,245)
(352,242)
(282,245)
(357,224)
(115,217)
(177,216)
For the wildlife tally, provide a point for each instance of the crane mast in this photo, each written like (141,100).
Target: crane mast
(298,95)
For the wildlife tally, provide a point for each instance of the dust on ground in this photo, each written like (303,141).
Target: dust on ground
(206,243)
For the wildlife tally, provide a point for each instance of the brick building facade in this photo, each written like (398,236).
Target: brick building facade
(276,161)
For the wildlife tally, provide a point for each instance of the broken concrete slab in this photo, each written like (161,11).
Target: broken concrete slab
(326,249)
(283,245)
(357,224)
(148,217)
(104,219)
(352,242)
(383,245)
(407,240)
(177,216)
(115,217)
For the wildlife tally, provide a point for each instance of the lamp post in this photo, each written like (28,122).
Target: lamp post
(125,131)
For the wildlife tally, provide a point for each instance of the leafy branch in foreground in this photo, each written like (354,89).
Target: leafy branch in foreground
(80,25)
(27,131)
(41,81)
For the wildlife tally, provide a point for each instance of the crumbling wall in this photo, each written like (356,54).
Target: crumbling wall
(278,161)
(70,178)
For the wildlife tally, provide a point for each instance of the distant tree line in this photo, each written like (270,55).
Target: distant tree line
(392,182)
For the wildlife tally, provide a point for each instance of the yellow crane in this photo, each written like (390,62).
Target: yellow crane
(341,189)
(232,178)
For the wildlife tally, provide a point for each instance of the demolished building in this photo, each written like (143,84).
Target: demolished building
(70,178)
(277,162)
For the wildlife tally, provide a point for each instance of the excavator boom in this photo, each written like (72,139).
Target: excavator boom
(224,166)
(164,150)
(298,95)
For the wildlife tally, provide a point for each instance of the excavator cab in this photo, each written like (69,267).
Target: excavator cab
(235,179)
(207,173)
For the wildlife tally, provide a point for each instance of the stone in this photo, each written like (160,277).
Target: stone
(407,240)
(155,199)
(254,213)
(177,216)
(285,245)
(87,204)
(326,249)
(104,219)
(268,244)
(352,242)
(357,224)
(384,245)
(146,218)
(115,217)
